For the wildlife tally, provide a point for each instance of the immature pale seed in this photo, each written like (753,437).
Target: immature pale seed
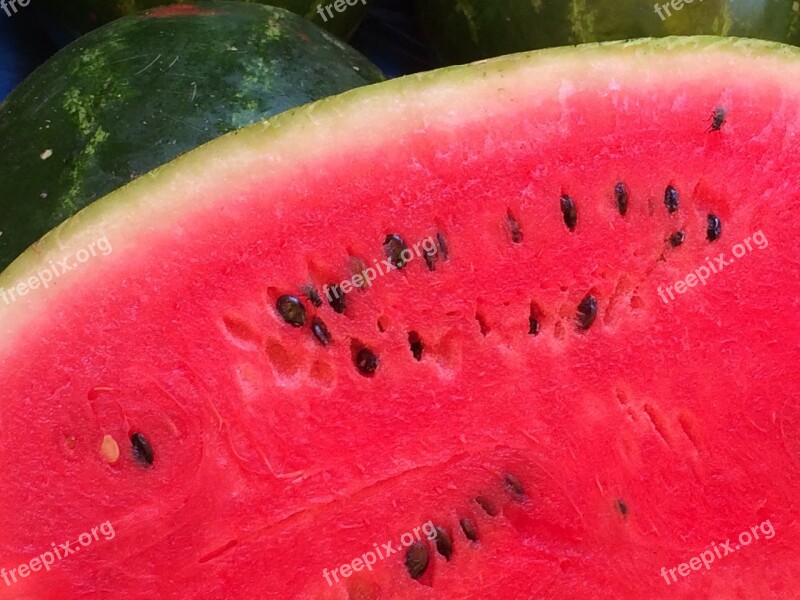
(570,212)
(587,312)
(142,450)
(394,247)
(621,195)
(444,544)
(417,559)
(320,331)
(292,310)
(671,200)
(714,229)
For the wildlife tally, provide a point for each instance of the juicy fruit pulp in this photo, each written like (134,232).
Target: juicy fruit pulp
(521,386)
(81,16)
(135,94)
(466,30)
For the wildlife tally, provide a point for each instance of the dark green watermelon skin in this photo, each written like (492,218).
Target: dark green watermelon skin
(465,30)
(135,94)
(81,16)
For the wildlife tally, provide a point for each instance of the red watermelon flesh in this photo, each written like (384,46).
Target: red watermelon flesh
(525,383)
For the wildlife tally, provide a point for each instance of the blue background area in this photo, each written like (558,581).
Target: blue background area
(389,37)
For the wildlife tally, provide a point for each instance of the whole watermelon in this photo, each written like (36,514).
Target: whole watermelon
(138,92)
(465,30)
(81,16)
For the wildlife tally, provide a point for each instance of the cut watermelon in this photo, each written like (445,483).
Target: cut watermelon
(466,356)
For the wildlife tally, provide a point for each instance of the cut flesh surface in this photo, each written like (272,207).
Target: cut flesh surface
(544,385)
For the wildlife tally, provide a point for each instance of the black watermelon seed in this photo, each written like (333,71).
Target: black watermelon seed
(394,247)
(514,229)
(676,239)
(430,260)
(366,362)
(486,505)
(335,296)
(671,200)
(718,119)
(714,229)
(587,312)
(468,527)
(415,343)
(622,197)
(442,246)
(142,450)
(570,212)
(533,326)
(444,544)
(622,507)
(514,484)
(292,310)
(313,297)
(416,559)
(320,331)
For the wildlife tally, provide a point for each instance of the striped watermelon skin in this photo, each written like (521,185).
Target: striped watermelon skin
(135,94)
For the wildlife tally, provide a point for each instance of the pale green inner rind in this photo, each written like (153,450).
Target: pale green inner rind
(278,149)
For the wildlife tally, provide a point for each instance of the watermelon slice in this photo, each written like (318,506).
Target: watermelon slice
(522,329)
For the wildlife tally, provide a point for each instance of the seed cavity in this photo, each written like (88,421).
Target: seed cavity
(444,543)
(416,559)
(714,229)
(622,507)
(587,312)
(320,331)
(514,229)
(366,361)
(677,238)
(415,344)
(569,211)
(514,484)
(335,296)
(486,505)
(621,195)
(292,310)
(396,249)
(717,119)
(671,200)
(142,450)
(469,529)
